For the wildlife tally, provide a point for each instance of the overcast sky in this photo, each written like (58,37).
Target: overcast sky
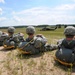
(34,12)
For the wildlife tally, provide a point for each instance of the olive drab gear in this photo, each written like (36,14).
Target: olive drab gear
(3,36)
(66,55)
(30,29)
(27,48)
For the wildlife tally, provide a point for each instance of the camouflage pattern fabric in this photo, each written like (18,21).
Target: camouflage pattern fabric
(20,37)
(30,30)
(11,41)
(3,36)
(11,29)
(69,30)
(33,46)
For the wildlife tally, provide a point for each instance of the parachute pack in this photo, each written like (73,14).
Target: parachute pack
(66,53)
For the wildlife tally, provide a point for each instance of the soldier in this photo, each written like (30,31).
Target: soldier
(66,47)
(3,36)
(34,44)
(12,39)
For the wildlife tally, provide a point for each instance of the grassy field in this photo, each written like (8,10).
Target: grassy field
(14,63)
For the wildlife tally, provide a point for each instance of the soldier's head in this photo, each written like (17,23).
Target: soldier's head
(30,30)
(69,31)
(11,30)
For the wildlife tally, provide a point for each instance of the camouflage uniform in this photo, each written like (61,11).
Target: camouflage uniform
(20,37)
(34,45)
(66,46)
(3,36)
(12,39)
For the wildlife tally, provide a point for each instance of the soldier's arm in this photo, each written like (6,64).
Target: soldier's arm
(15,38)
(51,47)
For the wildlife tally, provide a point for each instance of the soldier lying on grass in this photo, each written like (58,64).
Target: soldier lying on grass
(34,44)
(66,47)
(12,40)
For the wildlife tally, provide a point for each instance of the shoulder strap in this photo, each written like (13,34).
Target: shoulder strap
(27,44)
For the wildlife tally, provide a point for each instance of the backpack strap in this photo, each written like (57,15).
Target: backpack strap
(26,44)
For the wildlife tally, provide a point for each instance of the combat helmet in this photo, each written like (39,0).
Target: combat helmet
(30,30)
(11,30)
(69,30)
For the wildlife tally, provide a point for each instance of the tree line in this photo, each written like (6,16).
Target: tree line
(44,25)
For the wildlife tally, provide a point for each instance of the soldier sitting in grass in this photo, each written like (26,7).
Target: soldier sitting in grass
(66,47)
(34,44)
(12,39)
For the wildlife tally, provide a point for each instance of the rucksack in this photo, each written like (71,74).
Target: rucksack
(66,52)
(65,55)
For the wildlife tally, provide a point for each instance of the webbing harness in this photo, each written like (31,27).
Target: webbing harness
(8,47)
(64,63)
(21,49)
